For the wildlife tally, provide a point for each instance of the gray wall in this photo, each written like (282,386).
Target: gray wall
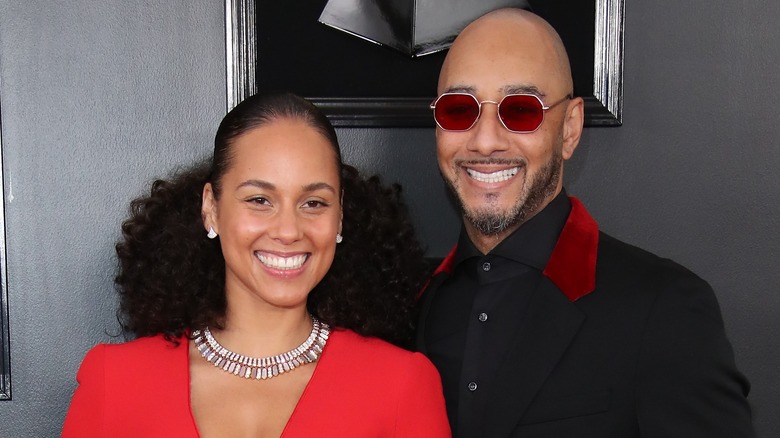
(97,98)
(100,97)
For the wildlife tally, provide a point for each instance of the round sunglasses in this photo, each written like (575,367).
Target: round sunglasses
(521,113)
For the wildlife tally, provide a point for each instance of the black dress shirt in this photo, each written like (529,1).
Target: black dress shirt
(477,311)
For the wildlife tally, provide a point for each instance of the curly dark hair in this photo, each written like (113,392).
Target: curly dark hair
(171,277)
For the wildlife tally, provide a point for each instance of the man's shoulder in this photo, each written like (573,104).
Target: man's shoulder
(620,260)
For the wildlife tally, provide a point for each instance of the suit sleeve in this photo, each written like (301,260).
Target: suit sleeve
(421,410)
(688,383)
(86,413)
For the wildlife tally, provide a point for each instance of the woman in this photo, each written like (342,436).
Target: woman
(228,266)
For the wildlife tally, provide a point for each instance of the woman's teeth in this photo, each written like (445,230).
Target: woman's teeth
(283,263)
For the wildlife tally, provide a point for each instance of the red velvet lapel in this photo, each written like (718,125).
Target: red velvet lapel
(572,265)
(446,264)
(444,267)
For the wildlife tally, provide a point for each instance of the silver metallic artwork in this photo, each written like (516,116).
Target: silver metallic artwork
(412,27)
(608,58)
(5,349)
(241,50)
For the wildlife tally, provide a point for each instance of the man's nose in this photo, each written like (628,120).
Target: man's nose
(489,134)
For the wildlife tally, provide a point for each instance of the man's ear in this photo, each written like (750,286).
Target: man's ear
(572,126)
(208,209)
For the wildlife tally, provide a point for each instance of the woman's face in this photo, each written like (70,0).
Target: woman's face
(278,213)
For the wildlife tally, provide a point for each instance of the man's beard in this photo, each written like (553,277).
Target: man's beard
(490,221)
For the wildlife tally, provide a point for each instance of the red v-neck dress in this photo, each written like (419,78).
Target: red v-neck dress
(361,387)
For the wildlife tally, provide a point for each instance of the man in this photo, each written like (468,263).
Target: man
(541,325)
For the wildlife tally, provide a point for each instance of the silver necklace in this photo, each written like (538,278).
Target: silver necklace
(262,367)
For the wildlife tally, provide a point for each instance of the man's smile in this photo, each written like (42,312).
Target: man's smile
(492,177)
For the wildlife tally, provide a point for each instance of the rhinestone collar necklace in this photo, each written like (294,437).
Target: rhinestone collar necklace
(262,367)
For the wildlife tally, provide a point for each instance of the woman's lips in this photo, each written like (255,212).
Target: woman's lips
(283,263)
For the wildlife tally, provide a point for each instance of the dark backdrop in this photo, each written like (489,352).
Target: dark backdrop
(297,52)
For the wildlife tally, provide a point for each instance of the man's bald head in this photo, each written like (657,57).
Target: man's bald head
(510,31)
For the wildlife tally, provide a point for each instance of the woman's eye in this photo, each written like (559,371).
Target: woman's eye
(259,201)
(314,204)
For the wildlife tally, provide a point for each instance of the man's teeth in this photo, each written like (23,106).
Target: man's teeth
(494,177)
(284,263)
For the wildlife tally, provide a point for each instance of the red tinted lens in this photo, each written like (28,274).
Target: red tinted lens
(521,113)
(456,112)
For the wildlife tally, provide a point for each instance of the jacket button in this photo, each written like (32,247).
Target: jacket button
(486,266)
(482,317)
(472,386)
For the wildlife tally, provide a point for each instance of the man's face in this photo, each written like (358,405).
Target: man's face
(502,178)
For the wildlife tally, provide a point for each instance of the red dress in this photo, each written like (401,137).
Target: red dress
(361,387)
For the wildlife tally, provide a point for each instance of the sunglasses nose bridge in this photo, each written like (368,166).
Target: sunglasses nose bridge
(493,102)
(497,106)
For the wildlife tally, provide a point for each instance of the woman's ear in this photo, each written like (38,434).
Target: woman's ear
(341,208)
(208,209)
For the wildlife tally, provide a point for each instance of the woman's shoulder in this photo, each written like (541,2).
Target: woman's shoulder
(374,351)
(354,341)
(145,351)
(157,343)
(386,390)
(141,365)
(132,388)
(378,379)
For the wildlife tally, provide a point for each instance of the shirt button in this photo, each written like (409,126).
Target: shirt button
(486,266)
(483,317)
(472,386)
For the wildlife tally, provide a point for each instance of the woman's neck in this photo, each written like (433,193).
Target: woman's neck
(261,331)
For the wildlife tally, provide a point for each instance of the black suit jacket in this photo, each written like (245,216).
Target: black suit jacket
(617,343)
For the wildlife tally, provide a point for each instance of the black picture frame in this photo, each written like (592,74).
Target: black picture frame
(271,45)
(5,347)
